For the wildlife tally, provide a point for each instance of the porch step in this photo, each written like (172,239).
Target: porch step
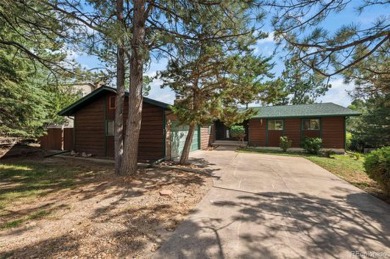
(231,143)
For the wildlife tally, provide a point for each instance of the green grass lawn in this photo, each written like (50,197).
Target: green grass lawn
(346,167)
(29,180)
(22,182)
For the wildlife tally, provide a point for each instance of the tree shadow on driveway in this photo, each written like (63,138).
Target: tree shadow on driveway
(280,225)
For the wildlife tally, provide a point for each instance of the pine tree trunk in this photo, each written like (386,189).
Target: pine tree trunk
(120,96)
(187,145)
(119,100)
(133,126)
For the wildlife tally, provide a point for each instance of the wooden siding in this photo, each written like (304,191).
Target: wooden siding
(257,132)
(110,148)
(151,139)
(311,134)
(292,131)
(333,132)
(68,138)
(90,135)
(274,138)
(90,127)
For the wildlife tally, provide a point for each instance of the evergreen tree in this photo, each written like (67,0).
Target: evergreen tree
(297,85)
(212,77)
(372,128)
(28,102)
(372,97)
(32,63)
(299,24)
(23,108)
(371,75)
(302,85)
(148,28)
(274,92)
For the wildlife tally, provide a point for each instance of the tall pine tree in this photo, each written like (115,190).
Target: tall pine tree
(213,76)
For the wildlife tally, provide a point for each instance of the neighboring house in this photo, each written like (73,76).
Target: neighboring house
(323,120)
(83,88)
(161,135)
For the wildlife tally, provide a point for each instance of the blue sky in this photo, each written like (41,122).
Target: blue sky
(337,94)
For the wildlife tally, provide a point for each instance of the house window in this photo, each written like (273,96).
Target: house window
(111,102)
(110,128)
(311,124)
(275,124)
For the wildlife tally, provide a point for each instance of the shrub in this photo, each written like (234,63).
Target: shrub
(356,144)
(377,165)
(237,131)
(348,140)
(357,156)
(312,145)
(329,153)
(285,143)
(354,155)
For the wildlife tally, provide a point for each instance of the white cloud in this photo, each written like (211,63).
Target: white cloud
(338,94)
(264,50)
(150,73)
(265,46)
(269,39)
(165,95)
(72,54)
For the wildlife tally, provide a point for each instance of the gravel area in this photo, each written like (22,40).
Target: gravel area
(104,215)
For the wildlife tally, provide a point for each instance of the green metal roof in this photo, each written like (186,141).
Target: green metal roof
(303,110)
(73,108)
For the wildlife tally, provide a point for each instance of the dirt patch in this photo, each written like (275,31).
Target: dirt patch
(17,150)
(102,215)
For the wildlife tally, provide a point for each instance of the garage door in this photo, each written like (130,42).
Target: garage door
(178,138)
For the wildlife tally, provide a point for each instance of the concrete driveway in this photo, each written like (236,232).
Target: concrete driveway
(265,206)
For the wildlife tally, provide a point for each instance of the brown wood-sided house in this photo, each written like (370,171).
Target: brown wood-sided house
(322,120)
(160,137)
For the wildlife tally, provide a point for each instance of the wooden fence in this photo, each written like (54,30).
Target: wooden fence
(57,139)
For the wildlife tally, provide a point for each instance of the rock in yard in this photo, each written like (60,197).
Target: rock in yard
(165,192)
(136,182)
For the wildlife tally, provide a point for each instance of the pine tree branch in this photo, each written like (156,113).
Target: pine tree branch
(345,67)
(324,48)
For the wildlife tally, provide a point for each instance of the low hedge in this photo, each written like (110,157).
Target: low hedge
(377,165)
(312,145)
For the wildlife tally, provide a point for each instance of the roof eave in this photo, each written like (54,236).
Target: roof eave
(306,116)
(71,109)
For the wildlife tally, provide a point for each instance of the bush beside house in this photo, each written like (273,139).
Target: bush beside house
(285,143)
(312,145)
(377,165)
